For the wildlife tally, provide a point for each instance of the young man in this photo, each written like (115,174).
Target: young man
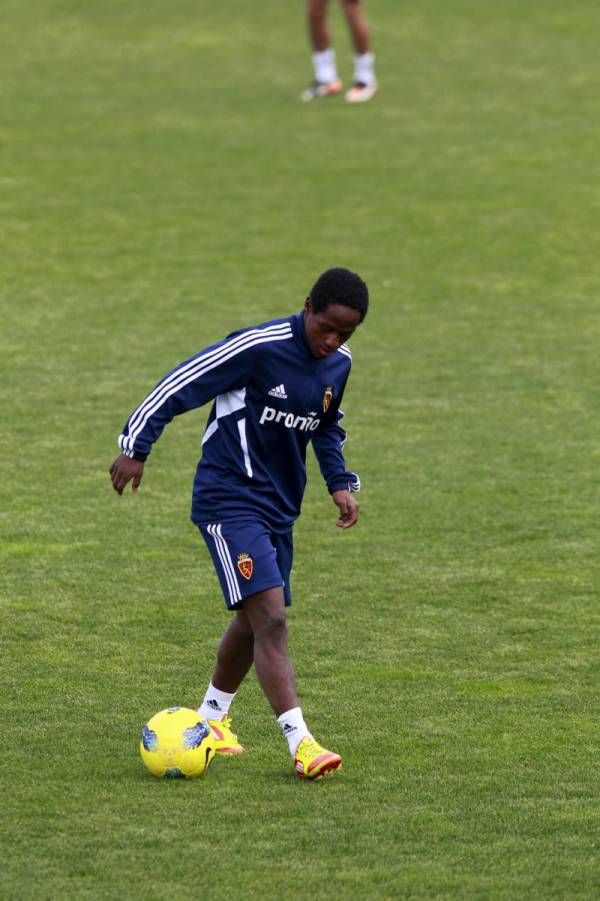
(327,83)
(276,388)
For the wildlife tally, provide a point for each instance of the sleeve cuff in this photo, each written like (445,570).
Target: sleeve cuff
(350,482)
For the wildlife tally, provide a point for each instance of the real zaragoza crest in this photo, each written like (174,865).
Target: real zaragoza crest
(327,398)
(245,564)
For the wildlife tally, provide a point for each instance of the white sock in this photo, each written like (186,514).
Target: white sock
(293,727)
(364,68)
(324,65)
(216,703)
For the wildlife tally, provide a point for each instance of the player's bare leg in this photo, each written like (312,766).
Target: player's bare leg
(326,83)
(234,659)
(359,27)
(259,634)
(235,655)
(267,617)
(318,26)
(365,83)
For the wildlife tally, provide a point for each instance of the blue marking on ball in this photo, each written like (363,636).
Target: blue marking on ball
(195,735)
(149,739)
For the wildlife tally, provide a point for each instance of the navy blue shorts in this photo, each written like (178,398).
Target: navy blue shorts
(249,557)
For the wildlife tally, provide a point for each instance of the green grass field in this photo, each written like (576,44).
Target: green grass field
(161,185)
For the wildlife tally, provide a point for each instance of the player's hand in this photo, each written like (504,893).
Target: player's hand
(124,470)
(344,501)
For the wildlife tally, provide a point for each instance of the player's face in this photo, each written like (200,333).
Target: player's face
(327,330)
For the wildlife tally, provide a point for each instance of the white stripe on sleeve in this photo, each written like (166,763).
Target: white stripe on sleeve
(193,370)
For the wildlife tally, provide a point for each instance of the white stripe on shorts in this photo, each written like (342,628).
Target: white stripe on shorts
(235,594)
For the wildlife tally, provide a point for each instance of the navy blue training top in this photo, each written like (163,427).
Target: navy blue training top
(271,398)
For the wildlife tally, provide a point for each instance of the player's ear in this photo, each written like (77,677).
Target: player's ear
(308,305)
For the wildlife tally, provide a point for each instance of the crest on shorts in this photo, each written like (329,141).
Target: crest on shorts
(245,564)
(327,398)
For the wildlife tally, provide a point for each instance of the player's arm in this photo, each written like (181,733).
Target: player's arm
(328,442)
(215,370)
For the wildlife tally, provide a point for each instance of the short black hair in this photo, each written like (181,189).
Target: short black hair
(340,286)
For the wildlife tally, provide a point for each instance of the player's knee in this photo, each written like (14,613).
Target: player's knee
(266,614)
(272,627)
(276,626)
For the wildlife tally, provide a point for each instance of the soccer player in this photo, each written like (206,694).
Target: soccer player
(327,82)
(275,388)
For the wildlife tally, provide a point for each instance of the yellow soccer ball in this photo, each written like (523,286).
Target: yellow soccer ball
(177,743)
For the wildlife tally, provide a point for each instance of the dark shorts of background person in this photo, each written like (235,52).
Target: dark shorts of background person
(249,557)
